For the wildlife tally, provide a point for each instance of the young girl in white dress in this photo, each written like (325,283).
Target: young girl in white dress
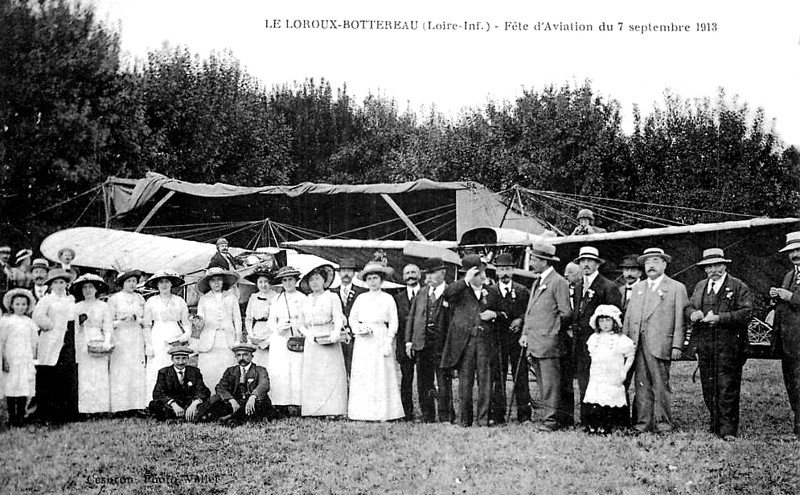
(375,375)
(612,356)
(18,336)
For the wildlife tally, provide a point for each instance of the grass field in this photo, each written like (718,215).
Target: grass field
(317,456)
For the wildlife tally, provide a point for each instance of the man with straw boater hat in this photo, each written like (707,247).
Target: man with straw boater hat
(786,333)
(591,291)
(241,394)
(720,309)
(545,337)
(180,392)
(654,321)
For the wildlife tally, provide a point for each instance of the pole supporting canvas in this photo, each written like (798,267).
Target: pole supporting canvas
(400,213)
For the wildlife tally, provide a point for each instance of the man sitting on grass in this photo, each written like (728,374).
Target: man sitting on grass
(241,394)
(179,392)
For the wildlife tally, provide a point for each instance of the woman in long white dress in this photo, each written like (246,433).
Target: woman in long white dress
(256,315)
(285,367)
(57,384)
(324,375)
(222,323)
(375,374)
(93,336)
(127,367)
(166,320)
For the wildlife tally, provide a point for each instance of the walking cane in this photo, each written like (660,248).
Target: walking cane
(514,387)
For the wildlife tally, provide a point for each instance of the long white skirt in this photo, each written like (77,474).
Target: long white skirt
(213,363)
(285,370)
(94,393)
(127,369)
(374,379)
(162,333)
(324,380)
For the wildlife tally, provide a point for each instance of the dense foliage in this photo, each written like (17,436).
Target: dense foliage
(71,115)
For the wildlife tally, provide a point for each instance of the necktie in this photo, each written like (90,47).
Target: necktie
(711,287)
(242,374)
(650,284)
(180,377)
(505,292)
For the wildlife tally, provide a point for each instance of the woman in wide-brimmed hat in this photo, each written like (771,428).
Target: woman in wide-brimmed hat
(285,367)
(93,342)
(324,374)
(257,313)
(374,376)
(18,335)
(127,367)
(222,322)
(57,380)
(166,320)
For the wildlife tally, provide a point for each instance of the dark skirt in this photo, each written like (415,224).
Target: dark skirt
(604,419)
(57,386)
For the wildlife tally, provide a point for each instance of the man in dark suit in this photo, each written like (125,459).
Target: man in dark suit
(241,393)
(591,291)
(471,342)
(513,301)
(544,335)
(786,336)
(654,321)
(631,273)
(424,336)
(179,391)
(222,258)
(403,300)
(347,293)
(720,309)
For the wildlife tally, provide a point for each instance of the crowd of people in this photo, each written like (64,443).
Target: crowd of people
(71,348)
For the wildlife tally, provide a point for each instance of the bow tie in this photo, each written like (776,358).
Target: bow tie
(262,298)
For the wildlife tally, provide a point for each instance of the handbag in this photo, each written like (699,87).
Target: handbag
(295,343)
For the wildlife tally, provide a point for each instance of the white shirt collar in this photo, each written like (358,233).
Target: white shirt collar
(588,280)
(438,290)
(545,274)
(715,285)
(411,290)
(246,368)
(504,287)
(655,282)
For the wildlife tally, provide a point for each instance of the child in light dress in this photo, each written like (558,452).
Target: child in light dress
(18,337)
(612,356)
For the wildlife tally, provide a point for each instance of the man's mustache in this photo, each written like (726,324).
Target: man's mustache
(412,279)
(242,362)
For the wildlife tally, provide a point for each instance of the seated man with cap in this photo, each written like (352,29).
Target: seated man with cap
(242,392)
(179,391)
(223,258)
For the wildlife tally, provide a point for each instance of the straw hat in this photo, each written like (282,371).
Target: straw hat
(377,268)
(713,256)
(89,278)
(40,263)
(544,251)
(10,295)
(229,279)
(59,273)
(654,252)
(590,253)
(171,275)
(792,242)
(608,310)
(287,271)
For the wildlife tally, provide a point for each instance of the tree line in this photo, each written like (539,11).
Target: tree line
(72,113)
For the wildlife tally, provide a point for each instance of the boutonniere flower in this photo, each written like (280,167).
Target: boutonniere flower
(250,380)
(728,293)
(590,293)
(484,293)
(445,304)
(513,293)
(660,293)
(189,383)
(543,287)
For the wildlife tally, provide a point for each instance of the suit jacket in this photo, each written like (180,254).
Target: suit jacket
(417,323)
(169,388)
(256,382)
(547,317)
(734,305)
(403,306)
(355,291)
(512,307)
(602,291)
(226,262)
(661,317)
(786,333)
(465,310)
